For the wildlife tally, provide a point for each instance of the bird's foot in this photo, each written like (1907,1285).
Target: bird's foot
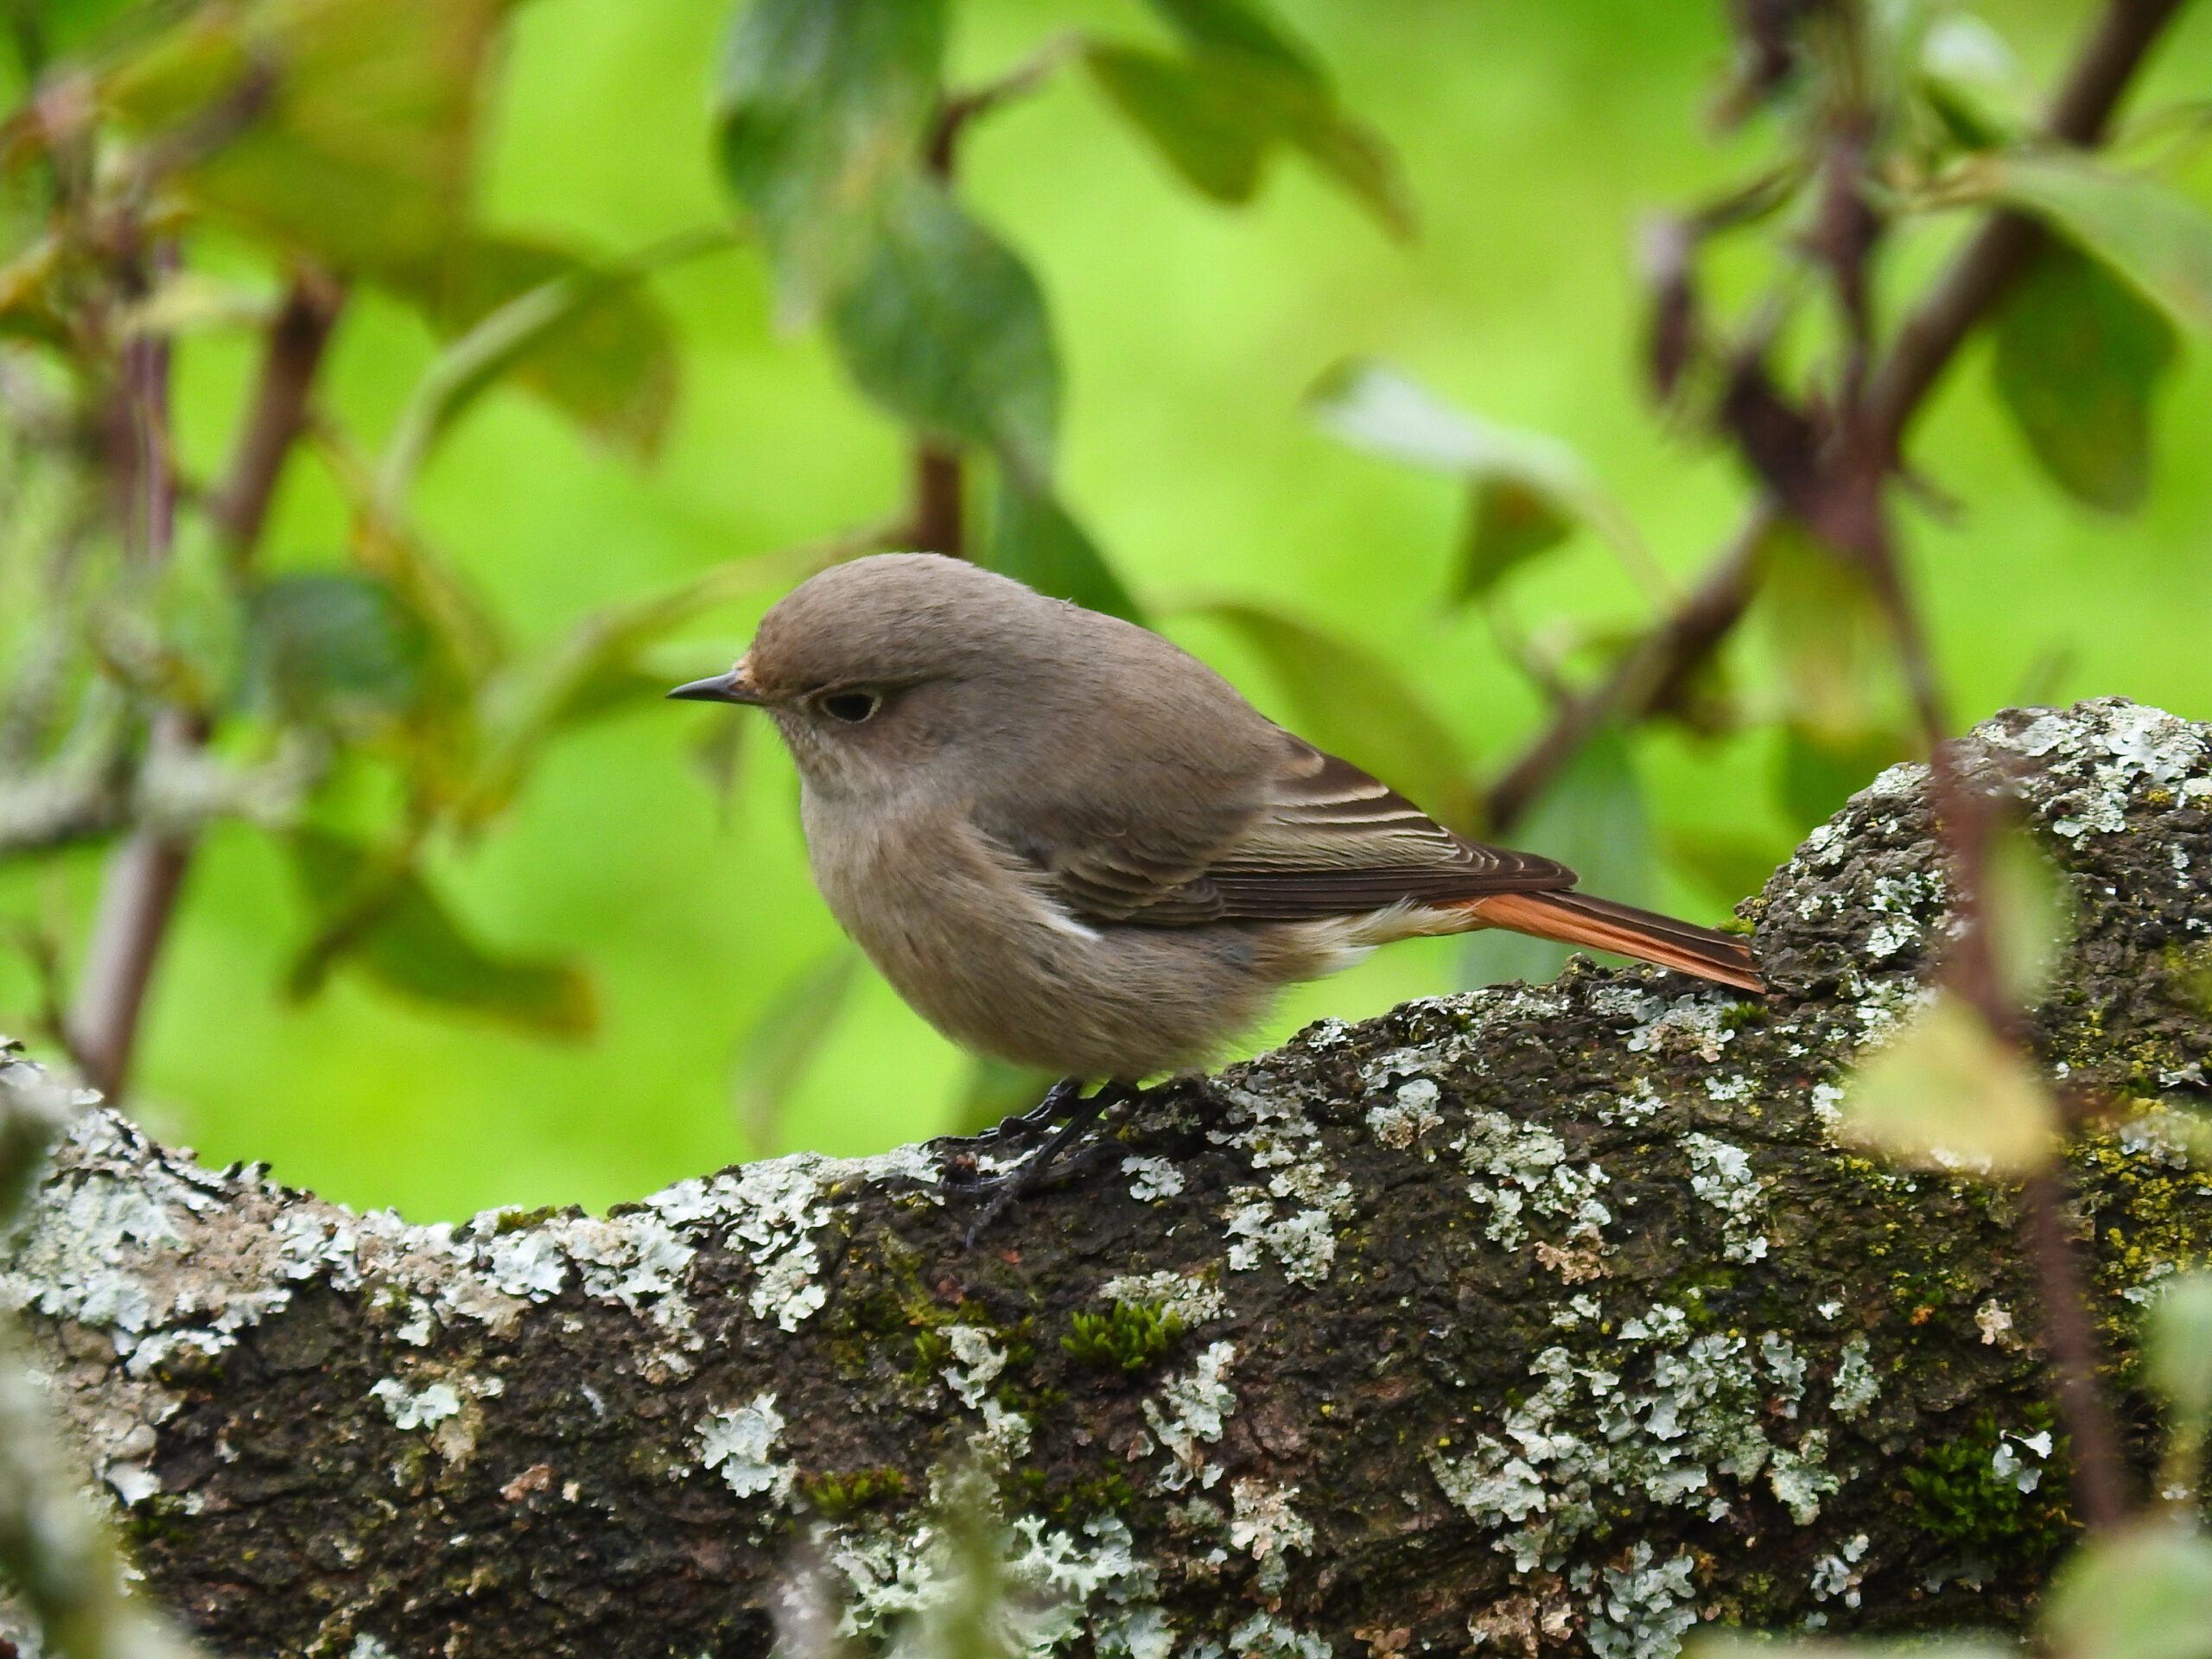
(1045,1168)
(1021,1129)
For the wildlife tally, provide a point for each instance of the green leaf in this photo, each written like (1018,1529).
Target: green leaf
(824,107)
(582,336)
(1352,703)
(2178,1352)
(782,1041)
(2079,355)
(2151,234)
(1971,82)
(2029,912)
(1235,30)
(595,669)
(339,128)
(1832,645)
(1251,61)
(602,351)
(945,327)
(2143,1592)
(1207,131)
(386,919)
(1508,524)
(1035,540)
(1729,864)
(336,649)
(1528,490)
(1945,1093)
(1593,820)
(1821,770)
(1359,158)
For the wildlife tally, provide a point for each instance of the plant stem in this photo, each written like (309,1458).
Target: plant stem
(937,526)
(278,414)
(145,875)
(2098,1490)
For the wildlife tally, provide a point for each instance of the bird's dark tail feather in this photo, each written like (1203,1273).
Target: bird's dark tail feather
(1578,919)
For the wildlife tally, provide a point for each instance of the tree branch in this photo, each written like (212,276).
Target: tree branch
(145,875)
(1542,1314)
(1641,684)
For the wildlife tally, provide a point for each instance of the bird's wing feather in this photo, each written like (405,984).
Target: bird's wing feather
(1334,841)
(1321,838)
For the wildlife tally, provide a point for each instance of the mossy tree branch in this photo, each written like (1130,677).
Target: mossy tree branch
(1550,1316)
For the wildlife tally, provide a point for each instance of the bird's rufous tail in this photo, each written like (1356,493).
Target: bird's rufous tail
(1577,918)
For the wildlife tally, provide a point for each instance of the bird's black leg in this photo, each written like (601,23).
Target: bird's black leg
(1022,1127)
(1044,1167)
(1062,1097)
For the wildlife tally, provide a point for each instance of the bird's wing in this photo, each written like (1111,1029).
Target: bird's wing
(1334,841)
(1319,837)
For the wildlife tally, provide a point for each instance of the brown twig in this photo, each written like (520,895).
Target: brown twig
(2098,1490)
(138,894)
(278,413)
(1970,816)
(936,521)
(1653,675)
(937,525)
(1645,679)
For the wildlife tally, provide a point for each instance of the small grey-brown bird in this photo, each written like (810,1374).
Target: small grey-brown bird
(1071,844)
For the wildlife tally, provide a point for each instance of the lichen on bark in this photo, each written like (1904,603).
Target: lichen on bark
(1536,1318)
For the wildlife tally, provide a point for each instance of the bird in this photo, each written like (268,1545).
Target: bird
(1069,845)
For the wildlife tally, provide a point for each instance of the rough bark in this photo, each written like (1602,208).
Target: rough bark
(1540,1318)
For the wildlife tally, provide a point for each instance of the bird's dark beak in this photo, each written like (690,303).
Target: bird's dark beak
(736,686)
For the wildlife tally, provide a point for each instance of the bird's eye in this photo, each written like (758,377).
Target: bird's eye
(851,707)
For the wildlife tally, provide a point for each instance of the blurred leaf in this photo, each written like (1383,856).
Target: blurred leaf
(2151,234)
(2178,1352)
(2142,1591)
(340,128)
(1593,820)
(387,920)
(718,751)
(1945,1093)
(186,301)
(1237,30)
(824,107)
(1352,703)
(945,327)
(1508,524)
(338,649)
(597,346)
(1972,81)
(1529,490)
(997,1090)
(782,1041)
(2028,910)
(1359,158)
(1251,65)
(595,670)
(583,336)
(1831,644)
(2079,354)
(1035,540)
(1206,131)
(1820,770)
(1730,865)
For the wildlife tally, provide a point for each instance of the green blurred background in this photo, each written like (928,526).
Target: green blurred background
(1534,134)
